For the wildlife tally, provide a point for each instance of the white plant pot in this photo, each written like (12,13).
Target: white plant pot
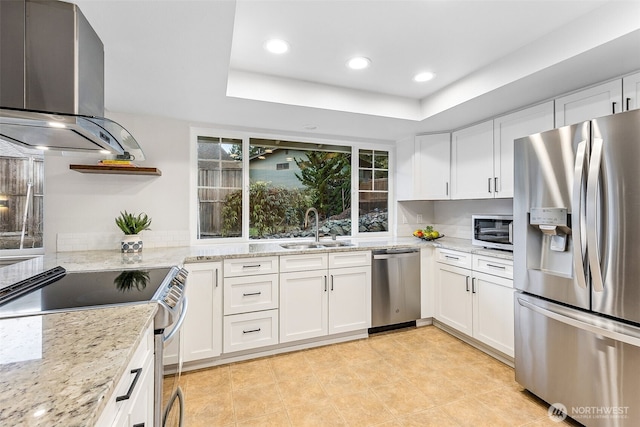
(131,243)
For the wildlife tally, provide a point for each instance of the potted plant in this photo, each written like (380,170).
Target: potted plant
(131,225)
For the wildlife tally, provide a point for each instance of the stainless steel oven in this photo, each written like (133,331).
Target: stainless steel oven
(493,231)
(57,290)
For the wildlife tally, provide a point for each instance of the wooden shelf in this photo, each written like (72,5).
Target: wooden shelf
(117,170)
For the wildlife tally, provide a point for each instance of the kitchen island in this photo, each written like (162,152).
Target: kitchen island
(61,369)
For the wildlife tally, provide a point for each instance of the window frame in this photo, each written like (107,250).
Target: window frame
(246,136)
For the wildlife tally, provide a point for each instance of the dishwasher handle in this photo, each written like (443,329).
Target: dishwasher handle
(395,253)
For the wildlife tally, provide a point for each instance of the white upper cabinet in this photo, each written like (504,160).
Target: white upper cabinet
(405,151)
(508,128)
(472,155)
(432,166)
(631,91)
(597,101)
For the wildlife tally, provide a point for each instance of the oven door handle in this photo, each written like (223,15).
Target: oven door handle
(178,324)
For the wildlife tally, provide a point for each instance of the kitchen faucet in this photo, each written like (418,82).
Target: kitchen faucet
(306,221)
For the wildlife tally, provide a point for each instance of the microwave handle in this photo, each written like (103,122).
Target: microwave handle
(511,232)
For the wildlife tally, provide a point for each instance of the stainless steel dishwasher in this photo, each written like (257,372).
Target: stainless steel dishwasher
(395,288)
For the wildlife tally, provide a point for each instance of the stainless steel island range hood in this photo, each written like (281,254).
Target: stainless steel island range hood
(52,81)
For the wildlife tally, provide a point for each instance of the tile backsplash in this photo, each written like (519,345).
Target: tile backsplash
(69,242)
(450,217)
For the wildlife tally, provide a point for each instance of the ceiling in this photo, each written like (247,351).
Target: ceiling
(204,62)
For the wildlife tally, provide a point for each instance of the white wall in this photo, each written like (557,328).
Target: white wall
(80,208)
(450,217)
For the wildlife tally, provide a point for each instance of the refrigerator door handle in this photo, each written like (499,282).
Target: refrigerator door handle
(578,216)
(592,215)
(563,315)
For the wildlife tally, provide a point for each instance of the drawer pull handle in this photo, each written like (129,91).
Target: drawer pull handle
(251,293)
(473,285)
(251,330)
(252,266)
(451,257)
(132,386)
(501,267)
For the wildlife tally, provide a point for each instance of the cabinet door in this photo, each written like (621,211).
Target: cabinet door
(349,299)
(493,311)
(598,101)
(508,128)
(631,91)
(303,305)
(453,297)
(472,174)
(202,328)
(405,152)
(433,166)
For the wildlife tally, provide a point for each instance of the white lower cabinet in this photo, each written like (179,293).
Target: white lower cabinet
(453,299)
(131,403)
(493,311)
(475,303)
(250,303)
(325,301)
(201,333)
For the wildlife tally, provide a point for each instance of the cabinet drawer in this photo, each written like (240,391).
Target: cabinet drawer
(303,262)
(496,266)
(250,330)
(455,258)
(250,266)
(250,293)
(349,259)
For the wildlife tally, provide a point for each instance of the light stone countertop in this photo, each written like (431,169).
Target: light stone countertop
(61,369)
(167,257)
(85,352)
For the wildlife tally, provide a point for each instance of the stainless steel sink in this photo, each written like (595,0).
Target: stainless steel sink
(300,245)
(312,245)
(334,244)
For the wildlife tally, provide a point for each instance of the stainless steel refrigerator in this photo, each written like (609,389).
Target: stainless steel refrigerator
(577,268)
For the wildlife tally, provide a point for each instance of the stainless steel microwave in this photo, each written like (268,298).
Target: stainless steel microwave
(493,231)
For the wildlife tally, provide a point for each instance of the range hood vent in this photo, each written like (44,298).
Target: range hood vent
(52,81)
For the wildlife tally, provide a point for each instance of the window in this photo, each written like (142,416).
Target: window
(373,190)
(21,197)
(219,187)
(305,175)
(256,188)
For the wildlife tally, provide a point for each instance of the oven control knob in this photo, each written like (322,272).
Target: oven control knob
(181,276)
(176,283)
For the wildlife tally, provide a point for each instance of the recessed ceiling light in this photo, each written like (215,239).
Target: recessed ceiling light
(41,147)
(424,77)
(57,125)
(359,63)
(276,46)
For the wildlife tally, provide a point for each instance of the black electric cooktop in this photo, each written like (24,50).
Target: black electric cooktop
(85,290)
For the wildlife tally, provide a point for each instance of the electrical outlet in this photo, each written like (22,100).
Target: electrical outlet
(419,218)
(404,219)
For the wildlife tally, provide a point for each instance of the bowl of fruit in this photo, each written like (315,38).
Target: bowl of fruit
(427,234)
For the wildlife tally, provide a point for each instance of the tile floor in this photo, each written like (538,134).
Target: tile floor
(413,377)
